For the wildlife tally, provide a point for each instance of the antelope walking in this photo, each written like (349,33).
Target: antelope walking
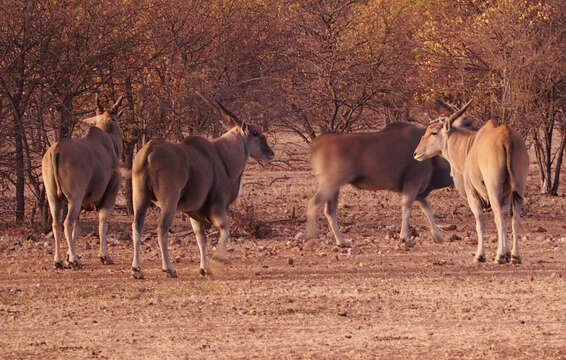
(489,167)
(84,171)
(200,177)
(374,161)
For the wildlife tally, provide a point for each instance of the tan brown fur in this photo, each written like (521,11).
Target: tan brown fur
(82,172)
(199,177)
(490,168)
(374,161)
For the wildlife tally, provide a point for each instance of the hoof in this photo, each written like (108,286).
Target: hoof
(204,272)
(72,264)
(170,273)
(58,265)
(344,244)
(479,259)
(502,259)
(137,273)
(106,260)
(75,265)
(516,260)
(408,243)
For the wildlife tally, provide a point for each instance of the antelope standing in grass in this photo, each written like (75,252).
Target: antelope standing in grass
(84,172)
(489,167)
(374,161)
(200,177)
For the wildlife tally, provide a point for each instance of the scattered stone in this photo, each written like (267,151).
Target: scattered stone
(351,252)
(343,313)
(450,227)
(540,229)
(31,237)
(124,237)
(530,278)
(290,261)
(539,238)
(454,237)
(322,254)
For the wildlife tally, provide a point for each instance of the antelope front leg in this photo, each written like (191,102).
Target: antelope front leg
(330,213)
(405,215)
(103,255)
(220,222)
(436,234)
(201,241)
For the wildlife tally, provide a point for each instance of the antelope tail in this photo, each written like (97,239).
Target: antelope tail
(55,164)
(516,197)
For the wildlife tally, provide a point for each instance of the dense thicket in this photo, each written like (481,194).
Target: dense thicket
(304,66)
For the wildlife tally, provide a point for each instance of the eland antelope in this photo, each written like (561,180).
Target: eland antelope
(489,167)
(374,161)
(85,172)
(200,177)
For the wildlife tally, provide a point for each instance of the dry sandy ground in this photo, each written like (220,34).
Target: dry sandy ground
(381,301)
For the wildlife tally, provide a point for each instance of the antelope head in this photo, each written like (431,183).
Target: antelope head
(434,140)
(254,139)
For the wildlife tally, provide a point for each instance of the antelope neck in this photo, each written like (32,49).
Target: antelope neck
(457,146)
(233,152)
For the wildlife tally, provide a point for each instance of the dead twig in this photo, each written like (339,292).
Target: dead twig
(279,178)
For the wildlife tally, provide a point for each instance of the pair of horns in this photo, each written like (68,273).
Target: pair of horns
(112,110)
(221,109)
(459,113)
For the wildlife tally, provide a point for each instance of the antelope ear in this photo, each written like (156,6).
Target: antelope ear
(244,128)
(447,124)
(99,108)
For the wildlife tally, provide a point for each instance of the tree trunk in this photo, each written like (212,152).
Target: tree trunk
(19,168)
(66,121)
(558,166)
(130,145)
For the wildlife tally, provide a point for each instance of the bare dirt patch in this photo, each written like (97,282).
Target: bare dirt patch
(281,298)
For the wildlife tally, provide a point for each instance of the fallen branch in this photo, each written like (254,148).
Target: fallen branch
(279,178)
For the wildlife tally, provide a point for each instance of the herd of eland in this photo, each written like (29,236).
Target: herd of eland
(201,178)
